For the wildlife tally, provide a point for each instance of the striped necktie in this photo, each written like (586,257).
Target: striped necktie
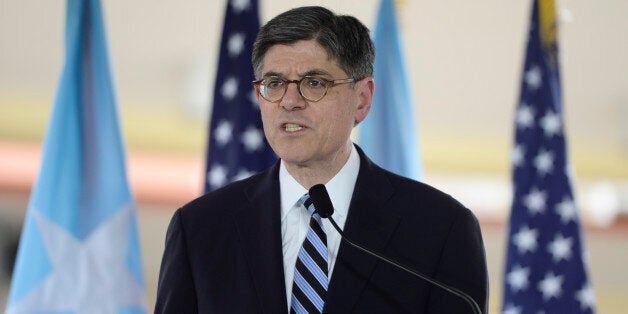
(309,289)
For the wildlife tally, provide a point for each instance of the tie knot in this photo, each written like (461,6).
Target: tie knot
(306,201)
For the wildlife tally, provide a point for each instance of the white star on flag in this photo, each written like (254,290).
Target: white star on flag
(544,162)
(86,275)
(253,99)
(566,210)
(551,124)
(236,44)
(253,139)
(535,201)
(217,175)
(517,154)
(79,251)
(551,286)
(230,88)
(243,174)
(525,116)
(224,132)
(533,78)
(586,297)
(518,278)
(526,239)
(560,248)
(240,5)
(511,309)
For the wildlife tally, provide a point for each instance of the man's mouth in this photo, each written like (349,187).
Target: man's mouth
(291,127)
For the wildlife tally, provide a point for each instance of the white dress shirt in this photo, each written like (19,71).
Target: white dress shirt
(295,219)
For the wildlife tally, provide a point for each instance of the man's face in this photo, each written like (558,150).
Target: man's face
(304,133)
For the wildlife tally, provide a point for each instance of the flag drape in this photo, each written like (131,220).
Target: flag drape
(79,250)
(236,147)
(389,135)
(545,269)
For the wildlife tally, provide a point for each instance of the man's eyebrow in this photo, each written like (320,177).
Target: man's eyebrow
(316,72)
(313,72)
(272,74)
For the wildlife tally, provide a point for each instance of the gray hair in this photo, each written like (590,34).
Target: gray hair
(345,38)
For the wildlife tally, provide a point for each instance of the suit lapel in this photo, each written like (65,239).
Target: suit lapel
(369,225)
(259,230)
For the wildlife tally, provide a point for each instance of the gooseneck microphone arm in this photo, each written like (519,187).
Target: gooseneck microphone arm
(322,203)
(450,289)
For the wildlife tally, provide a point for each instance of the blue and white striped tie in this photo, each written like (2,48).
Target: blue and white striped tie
(309,289)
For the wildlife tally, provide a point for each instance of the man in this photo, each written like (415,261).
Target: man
(242,248)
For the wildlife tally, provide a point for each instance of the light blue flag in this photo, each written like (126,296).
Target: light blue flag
(79,251)
(388,135)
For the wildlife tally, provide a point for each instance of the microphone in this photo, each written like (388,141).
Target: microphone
(324,208)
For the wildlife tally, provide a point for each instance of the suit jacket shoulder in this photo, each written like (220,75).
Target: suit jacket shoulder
(223,252)
(418,226)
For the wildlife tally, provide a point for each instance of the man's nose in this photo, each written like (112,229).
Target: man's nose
(292,99)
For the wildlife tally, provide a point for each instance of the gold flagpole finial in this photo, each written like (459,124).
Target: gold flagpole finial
(548,27)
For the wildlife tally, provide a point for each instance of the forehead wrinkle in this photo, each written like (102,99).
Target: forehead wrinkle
(309,47)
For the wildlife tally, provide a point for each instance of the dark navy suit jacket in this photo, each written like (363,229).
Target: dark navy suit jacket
(223,250)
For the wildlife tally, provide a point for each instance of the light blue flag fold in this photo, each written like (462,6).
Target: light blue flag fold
(388,135)
(79,250)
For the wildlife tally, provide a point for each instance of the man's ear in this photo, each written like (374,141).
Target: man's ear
(365,89)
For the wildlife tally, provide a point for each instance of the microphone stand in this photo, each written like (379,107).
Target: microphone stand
(452,290)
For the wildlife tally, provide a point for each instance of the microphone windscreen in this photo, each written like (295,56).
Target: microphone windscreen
(322,202)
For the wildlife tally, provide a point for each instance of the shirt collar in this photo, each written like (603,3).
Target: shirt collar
(340,187)
(290,189)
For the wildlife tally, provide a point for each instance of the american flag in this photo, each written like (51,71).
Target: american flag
(237,147)
(546,265)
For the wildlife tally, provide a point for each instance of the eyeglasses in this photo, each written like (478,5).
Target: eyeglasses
(311,88)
